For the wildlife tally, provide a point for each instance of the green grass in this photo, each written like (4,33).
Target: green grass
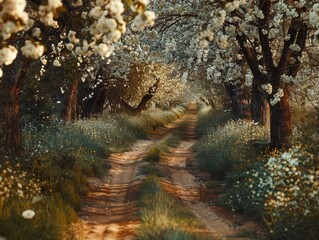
(208,119)
(232,144)
(52,216)
(162,217)
(156,151)
(306,128)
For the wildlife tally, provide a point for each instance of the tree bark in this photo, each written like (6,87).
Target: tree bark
(260,110)
(239,103)
(70,111)
(10,143)
(95,105)
(14,74)
(281,127)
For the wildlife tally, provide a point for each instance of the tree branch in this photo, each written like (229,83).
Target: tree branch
(265,6)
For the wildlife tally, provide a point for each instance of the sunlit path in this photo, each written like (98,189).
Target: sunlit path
(182,184)
(109,211)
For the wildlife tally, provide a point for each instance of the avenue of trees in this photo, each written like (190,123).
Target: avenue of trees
(82,56)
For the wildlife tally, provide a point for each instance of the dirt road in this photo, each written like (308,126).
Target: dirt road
(110,209)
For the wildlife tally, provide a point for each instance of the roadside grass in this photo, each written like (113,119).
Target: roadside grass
(57,160)
(231,143)
(208,118)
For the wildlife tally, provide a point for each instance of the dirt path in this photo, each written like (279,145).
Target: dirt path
(109,210)
(184,185)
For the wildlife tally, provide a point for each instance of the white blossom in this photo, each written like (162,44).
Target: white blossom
(32,50)
(28,214)
(8,54)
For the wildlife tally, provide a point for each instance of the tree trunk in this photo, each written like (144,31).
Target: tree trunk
(231,90)
(281,127)
(239,103)
(10,143)
(260,110)
(14,74)
(95,105)
(144,101)
(70,111)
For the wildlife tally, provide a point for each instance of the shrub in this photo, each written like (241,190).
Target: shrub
(283,188)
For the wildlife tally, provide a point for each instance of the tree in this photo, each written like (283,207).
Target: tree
(29,29)
(272,37)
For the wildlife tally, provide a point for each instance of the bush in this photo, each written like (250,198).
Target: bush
(283,189)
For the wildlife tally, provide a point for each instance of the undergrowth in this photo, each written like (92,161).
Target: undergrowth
(51,176)
(277,188)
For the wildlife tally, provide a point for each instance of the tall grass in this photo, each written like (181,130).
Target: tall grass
(230,144)
(161,146)
(208,118)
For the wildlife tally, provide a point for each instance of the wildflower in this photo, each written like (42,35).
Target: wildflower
(28,214)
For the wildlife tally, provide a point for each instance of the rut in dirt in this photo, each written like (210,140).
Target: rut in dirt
(109,211)
(182,182)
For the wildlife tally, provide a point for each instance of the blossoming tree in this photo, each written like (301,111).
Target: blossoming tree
(272,37)
(31,29)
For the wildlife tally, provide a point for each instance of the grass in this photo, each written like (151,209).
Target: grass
(156,151)
(306,128)
(208,118)
(234,143)
(52,216)
(162,217)
(57,159)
